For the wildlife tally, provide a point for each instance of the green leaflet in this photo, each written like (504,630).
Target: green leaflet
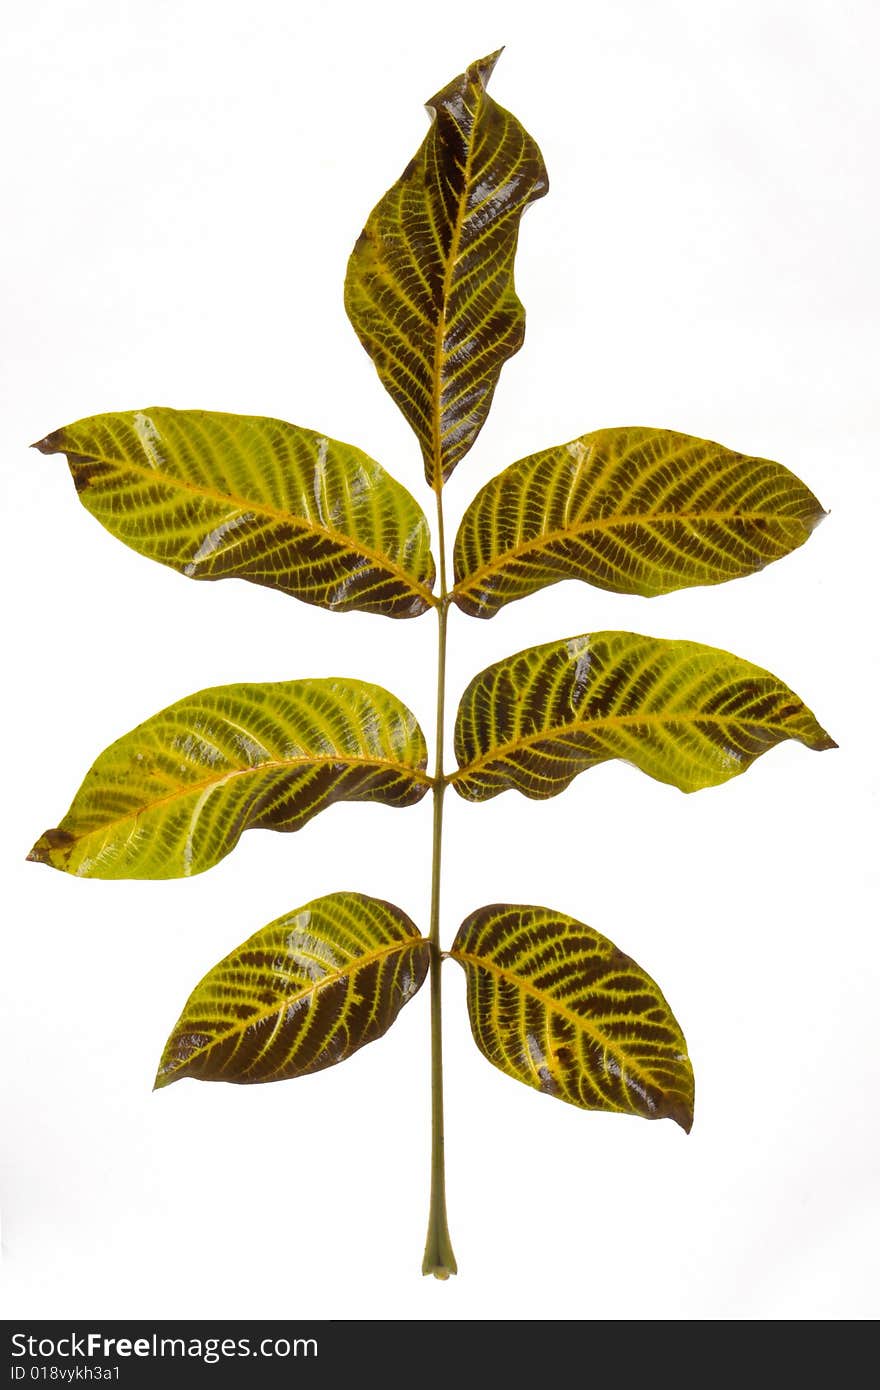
(429,288)
(173,797)
(686,714)
(557,1006)
(301,994)
(237,496)
(636,511)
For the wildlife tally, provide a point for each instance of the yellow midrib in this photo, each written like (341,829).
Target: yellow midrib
(192,788)
(440,327)
(276,513)
(555,1006)
(312,990)
(606,524)
(501,750)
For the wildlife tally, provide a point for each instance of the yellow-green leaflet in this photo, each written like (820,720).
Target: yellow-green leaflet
(237,496)
(172,797)
(301,994)
(557,1006)
(686,714)
(429,288)
(636,511)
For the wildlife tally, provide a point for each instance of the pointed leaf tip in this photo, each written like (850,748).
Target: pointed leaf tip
(481,69)
(823,743)
(52,848)
(683,1116)
(49,444)
(475,74)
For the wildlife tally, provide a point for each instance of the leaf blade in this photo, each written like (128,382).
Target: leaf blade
(172,797)
(429,288)
(632,511)
(559,1007)
(215,496)
(684,713)
(301,994)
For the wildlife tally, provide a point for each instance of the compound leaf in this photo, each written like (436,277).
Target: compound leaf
(219,496)
(429,288)
(684,713)
(173,797)
(636,511)
(301,994)
(557,1006)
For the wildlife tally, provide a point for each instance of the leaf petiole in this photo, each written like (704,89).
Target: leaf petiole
(439,1259)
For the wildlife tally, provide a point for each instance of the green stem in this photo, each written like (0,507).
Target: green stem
(439,1259)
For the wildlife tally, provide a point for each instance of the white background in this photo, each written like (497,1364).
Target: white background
(183,183)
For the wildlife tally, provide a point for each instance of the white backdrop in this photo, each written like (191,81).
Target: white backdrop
(183,183)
